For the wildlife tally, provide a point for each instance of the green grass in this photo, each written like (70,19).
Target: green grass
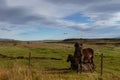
(14,50)
(54,66)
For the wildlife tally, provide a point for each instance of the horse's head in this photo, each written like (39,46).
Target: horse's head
(69,57)
(76,44)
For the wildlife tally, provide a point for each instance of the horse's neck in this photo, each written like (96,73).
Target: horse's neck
(77,49)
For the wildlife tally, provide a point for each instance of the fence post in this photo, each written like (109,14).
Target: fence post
(101,73)
(29,59)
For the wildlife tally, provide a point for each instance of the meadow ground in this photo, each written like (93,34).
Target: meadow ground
(52,65)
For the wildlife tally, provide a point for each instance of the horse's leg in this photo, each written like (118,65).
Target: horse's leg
(90,67)
(79,66)
(80,63)
(92,62)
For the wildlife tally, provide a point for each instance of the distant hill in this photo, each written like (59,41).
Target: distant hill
(98,40)
(118,37)
(51,40)
(4,39)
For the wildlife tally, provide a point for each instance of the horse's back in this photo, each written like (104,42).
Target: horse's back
(88,52)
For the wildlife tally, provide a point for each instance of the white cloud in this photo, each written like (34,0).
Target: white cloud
(50,13)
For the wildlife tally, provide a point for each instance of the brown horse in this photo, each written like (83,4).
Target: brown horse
(87,56)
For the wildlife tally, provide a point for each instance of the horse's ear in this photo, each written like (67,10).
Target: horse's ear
(81,44)
(76,44)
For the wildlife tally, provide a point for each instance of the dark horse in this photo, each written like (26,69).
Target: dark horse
(86,56)
(74,64)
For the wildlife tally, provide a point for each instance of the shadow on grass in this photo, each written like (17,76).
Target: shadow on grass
(22,57)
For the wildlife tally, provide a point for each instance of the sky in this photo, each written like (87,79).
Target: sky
(59,19)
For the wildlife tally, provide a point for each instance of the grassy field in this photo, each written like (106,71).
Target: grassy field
(52,64)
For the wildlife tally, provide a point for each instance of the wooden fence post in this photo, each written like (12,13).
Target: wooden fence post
(29,65)
(101,73)
(29,59)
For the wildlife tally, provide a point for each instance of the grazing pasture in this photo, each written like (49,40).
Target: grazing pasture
(48,61)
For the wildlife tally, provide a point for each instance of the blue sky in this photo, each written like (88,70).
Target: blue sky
(59,19)
(78,18)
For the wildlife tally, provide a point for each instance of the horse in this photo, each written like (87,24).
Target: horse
(87,57)
(74,64)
